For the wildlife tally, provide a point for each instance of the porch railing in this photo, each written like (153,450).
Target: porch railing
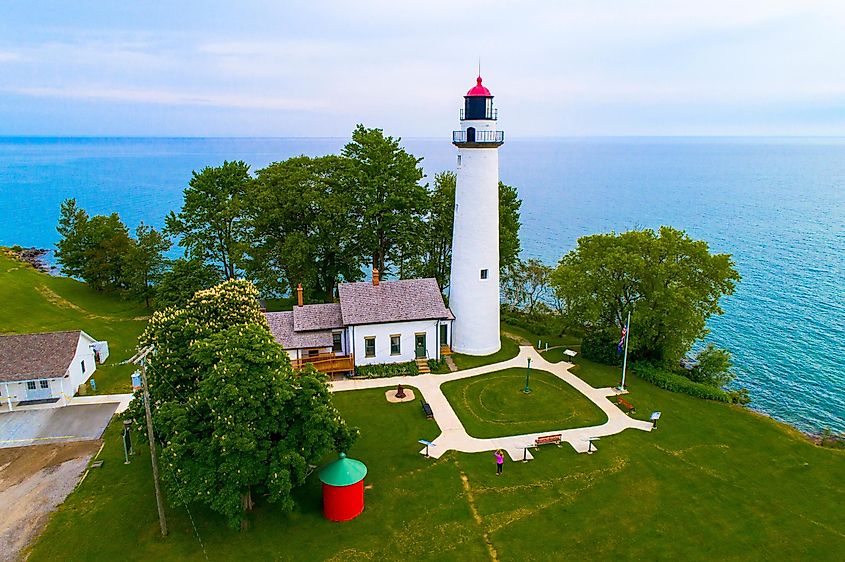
(325,363)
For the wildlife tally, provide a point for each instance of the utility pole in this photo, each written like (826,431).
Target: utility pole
(140,358)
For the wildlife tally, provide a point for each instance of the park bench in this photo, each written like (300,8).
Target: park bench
(427,410)
(629,408)
(547,439)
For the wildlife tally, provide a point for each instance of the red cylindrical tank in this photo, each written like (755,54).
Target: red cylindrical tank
(342,503)
(343,488)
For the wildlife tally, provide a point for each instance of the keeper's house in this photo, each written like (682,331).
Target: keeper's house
(48,366)
(374,322)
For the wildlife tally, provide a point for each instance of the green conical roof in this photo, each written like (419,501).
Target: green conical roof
(343,472)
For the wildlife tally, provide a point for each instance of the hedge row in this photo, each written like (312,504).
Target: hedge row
(677,383)
(386,370)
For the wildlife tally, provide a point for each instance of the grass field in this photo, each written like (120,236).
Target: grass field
(31,301)
(509,350)
(714,481)
(493,404)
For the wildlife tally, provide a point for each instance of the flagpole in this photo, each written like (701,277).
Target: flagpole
(625,359)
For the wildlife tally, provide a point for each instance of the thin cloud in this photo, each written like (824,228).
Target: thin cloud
(164,97)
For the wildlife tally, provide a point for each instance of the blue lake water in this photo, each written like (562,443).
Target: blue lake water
(778,205)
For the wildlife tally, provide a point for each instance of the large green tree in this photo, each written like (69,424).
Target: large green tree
(509,223)
(210,225)
(94,249)
(145,261)
(304,225)
(390,198)
(234,421)
(671,283)
(185,277)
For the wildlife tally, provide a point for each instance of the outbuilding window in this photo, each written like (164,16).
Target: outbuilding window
(83,366)
(370,347)
(44,384)
(30,385)
(395,344)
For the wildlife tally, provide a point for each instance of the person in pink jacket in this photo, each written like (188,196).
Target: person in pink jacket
(500,461)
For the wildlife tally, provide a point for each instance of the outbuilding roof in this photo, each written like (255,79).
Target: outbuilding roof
(317,317)
(46,355)
(392,301)
(281,326)
(343,472)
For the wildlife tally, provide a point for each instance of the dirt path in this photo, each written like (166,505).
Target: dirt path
(34,480)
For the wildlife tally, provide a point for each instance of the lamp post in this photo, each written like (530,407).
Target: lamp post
(527,389)
(127,440)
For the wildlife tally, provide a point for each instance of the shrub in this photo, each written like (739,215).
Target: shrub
(601,346)
(436,364)
(677,383)
(539,324)
(385,370)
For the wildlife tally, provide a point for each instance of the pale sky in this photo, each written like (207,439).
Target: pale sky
(557,68)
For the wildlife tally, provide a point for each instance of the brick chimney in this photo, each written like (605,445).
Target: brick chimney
(299,295)
(375,277)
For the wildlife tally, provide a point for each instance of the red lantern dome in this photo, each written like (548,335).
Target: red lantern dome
(343,488)
(479,90)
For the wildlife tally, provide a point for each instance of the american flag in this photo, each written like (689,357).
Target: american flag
(622,339)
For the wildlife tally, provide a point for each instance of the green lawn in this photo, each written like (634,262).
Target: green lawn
(31,301)
(714,481)
(509,350)
(494,405)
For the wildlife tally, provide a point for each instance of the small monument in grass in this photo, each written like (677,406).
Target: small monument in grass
(400,392)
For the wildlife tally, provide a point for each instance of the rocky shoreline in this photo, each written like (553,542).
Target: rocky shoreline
(36,257)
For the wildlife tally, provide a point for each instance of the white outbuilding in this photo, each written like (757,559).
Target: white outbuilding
(47,366)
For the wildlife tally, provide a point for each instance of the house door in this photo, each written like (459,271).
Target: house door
(419,345)
(38,390)
(444,335)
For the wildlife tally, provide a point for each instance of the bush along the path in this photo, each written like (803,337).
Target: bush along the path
(677,383)
(601,347)
(385,370)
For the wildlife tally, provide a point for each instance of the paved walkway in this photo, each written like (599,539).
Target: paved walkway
(455,438)
(122,401)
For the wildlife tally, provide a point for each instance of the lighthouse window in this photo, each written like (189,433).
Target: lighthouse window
(484,274)
(459,159)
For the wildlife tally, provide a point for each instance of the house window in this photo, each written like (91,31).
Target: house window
(370,347)
(313,352)
(395,344)
(83,366)
(336,344)
(30,385)
(44,384)
(484,274)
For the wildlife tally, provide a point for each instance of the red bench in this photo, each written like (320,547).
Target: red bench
(629,408)
(547,439)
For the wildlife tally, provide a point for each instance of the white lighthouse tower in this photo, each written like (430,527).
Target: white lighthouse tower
(474,284)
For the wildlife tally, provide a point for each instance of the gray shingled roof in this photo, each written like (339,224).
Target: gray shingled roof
(317,317)
(37,356)
(281,326)
(392,301)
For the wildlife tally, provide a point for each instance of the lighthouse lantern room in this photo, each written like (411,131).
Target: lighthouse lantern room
(474,282)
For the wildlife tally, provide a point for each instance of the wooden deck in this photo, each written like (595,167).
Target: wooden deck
(325,363)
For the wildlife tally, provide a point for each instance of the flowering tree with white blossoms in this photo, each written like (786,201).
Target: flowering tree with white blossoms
(235,422)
